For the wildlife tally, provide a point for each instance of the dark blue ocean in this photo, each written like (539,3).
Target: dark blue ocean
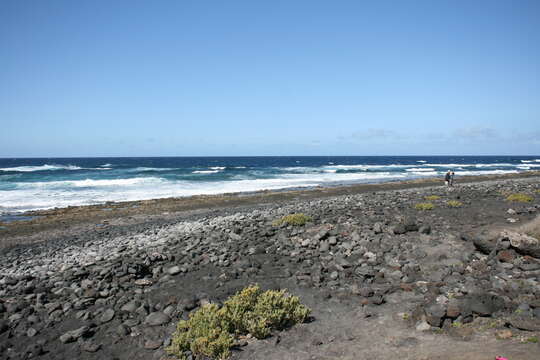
(27,184)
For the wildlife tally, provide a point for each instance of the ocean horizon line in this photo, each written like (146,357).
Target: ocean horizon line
(251,156)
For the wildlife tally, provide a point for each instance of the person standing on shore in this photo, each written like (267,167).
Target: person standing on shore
(452,178)
(447,178)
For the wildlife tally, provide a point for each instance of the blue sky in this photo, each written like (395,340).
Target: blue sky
(189,78)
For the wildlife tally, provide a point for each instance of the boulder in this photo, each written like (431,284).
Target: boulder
(523,243)
(157,318)
(107,316)
(435,314)
(523,323)
(410,224)
(483,304)
(425,229)
(174,270)
(484,241)
(399,229)
(73,335)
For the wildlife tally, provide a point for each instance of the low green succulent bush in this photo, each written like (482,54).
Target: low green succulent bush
(424,206)
(432,197)
(454,203)
(519,197)
(211,331)
(532,339)
(293,219)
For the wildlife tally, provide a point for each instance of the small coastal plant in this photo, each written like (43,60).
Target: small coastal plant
(424,206)
(519,197)
(432,197)
(212,330)
(532,340)
(293,219)
(454,203)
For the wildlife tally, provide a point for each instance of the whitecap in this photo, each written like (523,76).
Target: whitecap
(421,170)
(45,167)
(142,168)
(368,167)
(205,171)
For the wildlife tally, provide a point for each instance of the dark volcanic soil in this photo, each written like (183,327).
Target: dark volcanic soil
(383,279)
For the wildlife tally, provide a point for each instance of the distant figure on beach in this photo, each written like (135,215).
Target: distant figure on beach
(452,178)
(448,178)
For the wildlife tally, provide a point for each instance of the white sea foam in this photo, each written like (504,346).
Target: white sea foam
(486,172)
(420,170)
(106,165)
(142,168)
(450,166)
(421,161)
(526,161)
(66,184)
(363,166)
(524,167)
(44,195)
(218,167)
(205,171)
(47,167)
(493,165)
(41,168)
(425,173)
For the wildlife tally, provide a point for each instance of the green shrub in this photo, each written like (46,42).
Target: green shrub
(454,203)
(424,206)
(532,339)
(519,197)
(293,219)
(211,331)
(432,197)
(202,334)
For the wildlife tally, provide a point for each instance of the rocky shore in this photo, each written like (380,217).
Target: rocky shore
(383,278)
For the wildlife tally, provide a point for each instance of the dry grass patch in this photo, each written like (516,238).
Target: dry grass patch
(293,219)
(211,331)
(432,197)
(454,203)
(424,206)
(520,197)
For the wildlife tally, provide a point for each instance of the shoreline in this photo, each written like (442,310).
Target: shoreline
(38,220)
(62,224)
